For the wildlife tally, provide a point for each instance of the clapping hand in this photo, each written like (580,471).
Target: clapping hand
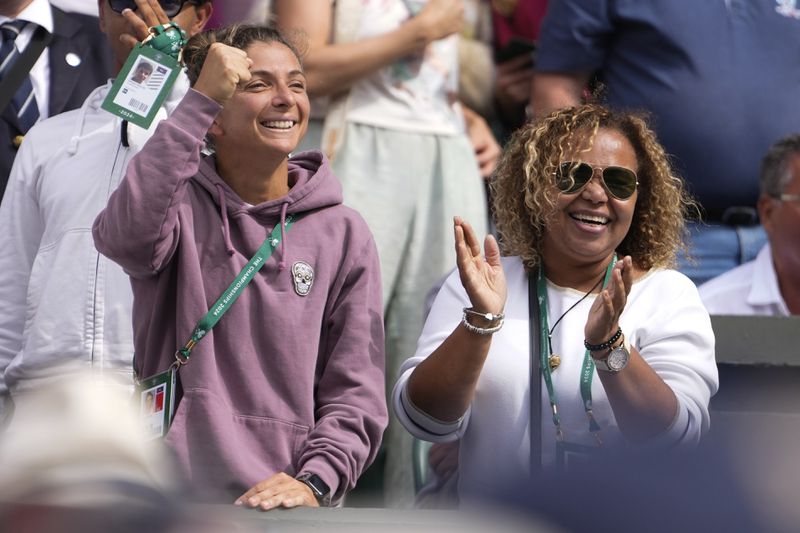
(483,279)
(603,320)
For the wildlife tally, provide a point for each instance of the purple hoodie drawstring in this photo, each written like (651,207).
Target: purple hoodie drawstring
(282,264)
(223,212)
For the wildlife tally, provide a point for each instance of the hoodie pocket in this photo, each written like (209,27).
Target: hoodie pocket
(229,452)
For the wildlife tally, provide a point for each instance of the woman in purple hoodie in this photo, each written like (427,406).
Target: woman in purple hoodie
(283,400)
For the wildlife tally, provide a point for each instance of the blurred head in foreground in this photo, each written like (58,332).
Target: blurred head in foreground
(75,460)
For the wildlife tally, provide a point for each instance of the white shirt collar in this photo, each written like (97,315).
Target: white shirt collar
(765,289)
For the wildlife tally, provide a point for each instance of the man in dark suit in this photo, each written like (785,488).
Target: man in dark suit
(77,61)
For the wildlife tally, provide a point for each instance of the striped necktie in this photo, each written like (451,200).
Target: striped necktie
(24,102)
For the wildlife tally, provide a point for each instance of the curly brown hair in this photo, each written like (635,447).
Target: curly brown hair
(523,183)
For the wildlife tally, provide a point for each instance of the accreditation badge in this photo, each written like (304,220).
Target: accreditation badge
(573,457)
(142,85)
(156,396)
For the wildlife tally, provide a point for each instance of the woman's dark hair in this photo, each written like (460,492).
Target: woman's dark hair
(238,36)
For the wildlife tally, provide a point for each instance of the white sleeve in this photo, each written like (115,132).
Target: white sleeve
(677,341)
(22,229)
(445,315)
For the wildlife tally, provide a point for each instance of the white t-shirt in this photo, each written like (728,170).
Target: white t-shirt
(664,319)
(749,289)
(417,93)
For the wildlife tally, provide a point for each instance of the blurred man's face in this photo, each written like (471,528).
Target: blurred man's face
(780,219)
(122,36)
(12,8)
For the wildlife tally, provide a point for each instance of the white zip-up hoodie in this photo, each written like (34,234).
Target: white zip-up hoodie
(63,306)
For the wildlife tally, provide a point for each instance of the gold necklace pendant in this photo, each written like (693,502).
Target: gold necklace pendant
(554,360)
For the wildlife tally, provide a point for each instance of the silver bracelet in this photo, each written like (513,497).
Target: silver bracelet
(482,331)
(487,316)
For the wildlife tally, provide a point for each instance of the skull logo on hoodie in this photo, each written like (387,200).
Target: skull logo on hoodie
(303,276)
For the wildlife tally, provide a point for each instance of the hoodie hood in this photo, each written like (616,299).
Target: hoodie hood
(90,106)
(312,186)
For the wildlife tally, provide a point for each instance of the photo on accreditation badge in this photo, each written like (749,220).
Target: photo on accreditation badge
(142,86)
(152,409)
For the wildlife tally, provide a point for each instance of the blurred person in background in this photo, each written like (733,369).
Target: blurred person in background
(515,26)
(691,490)
(74,62)
(475,61)
(713,75)
(64,305)
(409,156)
(769,284)
(241,11)
(496,54)
(79,463)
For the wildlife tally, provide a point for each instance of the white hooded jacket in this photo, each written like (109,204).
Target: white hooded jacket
(63,306)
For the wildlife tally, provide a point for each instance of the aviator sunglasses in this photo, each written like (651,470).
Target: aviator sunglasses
(170,7)
(571,177)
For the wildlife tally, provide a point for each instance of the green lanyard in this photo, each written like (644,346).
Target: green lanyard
(587,370)
(233,291)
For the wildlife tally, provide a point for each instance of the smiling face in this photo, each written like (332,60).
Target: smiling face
(269,113)
(587,226)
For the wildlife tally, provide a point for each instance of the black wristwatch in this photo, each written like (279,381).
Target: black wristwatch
(320,489)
